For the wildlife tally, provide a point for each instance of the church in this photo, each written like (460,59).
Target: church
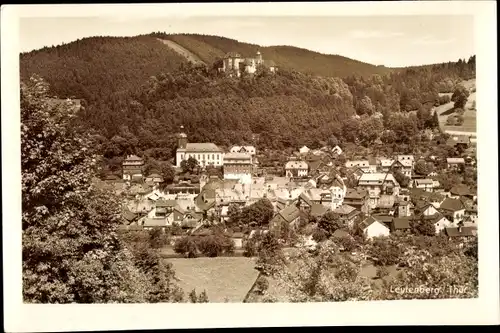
(205,153)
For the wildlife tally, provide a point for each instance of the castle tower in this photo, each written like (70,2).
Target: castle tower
(182,139)
(259,58)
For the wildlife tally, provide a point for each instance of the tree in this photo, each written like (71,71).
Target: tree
(189,165)
(330,222)
(167,172)
(261,285)
(454,275)
(215,245)
(333,141)
(201,298)
(422,227)
(403,180)
(157,238)
(71,251)
(422,168)
(384,251)
(186,246)
(325,276)
(234,215)
(319,235)
(460,96)
(260,212)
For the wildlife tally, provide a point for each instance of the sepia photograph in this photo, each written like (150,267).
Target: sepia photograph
(246,157)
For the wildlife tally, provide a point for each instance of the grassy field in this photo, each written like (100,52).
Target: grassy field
(469,125)
(225,279)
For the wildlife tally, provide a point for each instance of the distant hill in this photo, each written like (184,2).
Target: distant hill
(124,63)
(212,48)
(95,67)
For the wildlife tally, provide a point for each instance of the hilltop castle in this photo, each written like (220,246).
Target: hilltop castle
(234,64)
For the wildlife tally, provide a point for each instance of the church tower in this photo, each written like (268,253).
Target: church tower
(182,139)
(258,58)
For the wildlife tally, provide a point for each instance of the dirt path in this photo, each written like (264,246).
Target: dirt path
(191,57)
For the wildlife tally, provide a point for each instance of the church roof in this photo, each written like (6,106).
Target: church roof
(202,147)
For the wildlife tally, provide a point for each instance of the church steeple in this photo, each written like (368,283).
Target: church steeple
(182,139)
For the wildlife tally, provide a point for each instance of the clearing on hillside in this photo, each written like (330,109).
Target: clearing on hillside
(190,56)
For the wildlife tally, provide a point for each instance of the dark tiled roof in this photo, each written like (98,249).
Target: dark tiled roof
(383,218)
(128,215)
(318,210)
(367,222)
(451,205)
(460,189)
(461,232)
(355,194)
(401,223)
(290,213)
(345,210)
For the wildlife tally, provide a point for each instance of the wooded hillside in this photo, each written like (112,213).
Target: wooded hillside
(136,93)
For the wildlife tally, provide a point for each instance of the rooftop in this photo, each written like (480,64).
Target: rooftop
(202,147)
(296,165)
(451,205)
(344,210)
(237,156)
(461,232)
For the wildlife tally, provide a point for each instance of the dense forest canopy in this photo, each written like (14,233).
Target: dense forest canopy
(136,92)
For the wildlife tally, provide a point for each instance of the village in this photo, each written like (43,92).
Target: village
(363,194)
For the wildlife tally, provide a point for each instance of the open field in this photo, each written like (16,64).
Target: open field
(469,125)
(225,279)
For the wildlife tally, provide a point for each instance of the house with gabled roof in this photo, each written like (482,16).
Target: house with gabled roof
(372,228)
(357,198)
(296,169)
(459,190)
(425,184)
(243,149)
(289,216)
(453,209)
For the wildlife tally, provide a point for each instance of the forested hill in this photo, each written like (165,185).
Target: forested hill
(212,48)
(97,67)
(136,92)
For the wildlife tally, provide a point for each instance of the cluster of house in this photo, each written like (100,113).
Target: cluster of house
(311,186)
(234,64)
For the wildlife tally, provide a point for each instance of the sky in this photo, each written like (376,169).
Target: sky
(393,41)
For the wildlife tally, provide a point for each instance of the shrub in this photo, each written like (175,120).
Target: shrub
(250,248)
(346,243)
(215,245)
(385,251)
(157,238)
(382,272)
(261,285)
(186,246)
